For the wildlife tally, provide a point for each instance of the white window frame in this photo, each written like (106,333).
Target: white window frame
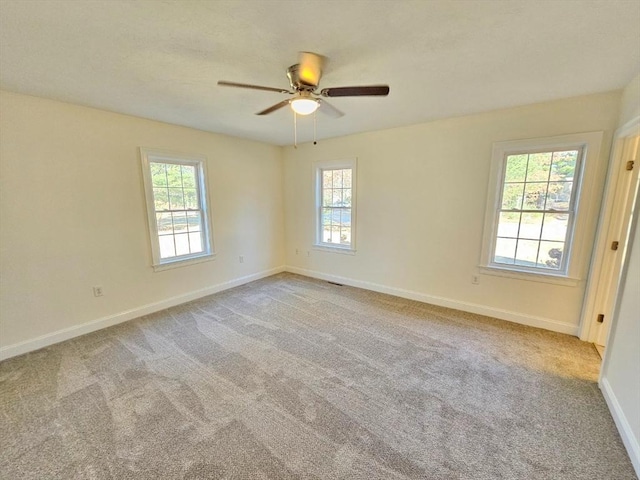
(576,242)
(318,168)
(148,156)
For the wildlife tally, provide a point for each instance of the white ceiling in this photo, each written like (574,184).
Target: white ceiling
(442,58)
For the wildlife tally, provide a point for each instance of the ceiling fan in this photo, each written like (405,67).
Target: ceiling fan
(304,79)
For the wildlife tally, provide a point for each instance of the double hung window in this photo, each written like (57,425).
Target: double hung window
(176,196)
(335,187)
(534,204)
(537,208)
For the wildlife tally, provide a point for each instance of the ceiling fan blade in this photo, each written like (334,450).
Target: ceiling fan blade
(326,107)
(273,108)
(222,83)
(379,90)
(310,67)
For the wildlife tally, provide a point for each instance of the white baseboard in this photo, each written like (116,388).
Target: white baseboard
(510,316)
(628,438)
(88,327)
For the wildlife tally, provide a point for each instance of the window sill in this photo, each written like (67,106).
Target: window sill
(529,276)
(184,262)
(332,249)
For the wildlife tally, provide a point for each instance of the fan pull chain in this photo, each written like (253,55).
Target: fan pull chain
(295,130)
(314,128)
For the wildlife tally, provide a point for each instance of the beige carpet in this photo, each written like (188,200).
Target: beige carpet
(290,377)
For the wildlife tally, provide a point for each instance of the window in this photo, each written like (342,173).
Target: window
(176,196)
(335,187)
(533,207)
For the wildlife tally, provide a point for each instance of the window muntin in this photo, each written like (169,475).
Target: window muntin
(335,184)
(177,208)
(536,209)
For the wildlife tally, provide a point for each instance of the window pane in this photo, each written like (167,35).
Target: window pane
(337,179)
(335,216)
(167,247)
(538,167)
(176,199)
(182,244)
(327,197)
(516,168)
(164,223)
(337,197)
(335,234)
(195,242)
(190,198)
(327,178)
(555,226)
(531,225)
(527,252)
(331,234)
(346,197)
(551,255)
(534,196)
(564,165)
(326,233)
(345,217)
(346,178)
(158,174)
(559,195)
(512,196)
(194,222)
(508,224)
(174,175)
(179,222)
(161,199)
(326,216)
(188,176)
(345,236)
(505,250)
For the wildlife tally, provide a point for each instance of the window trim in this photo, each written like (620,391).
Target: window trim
(149,155)
(573,272)
(318,167)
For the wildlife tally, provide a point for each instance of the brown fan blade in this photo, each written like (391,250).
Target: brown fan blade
(222,83)
(381,90)
(310,67)
(326,107)
(273,108)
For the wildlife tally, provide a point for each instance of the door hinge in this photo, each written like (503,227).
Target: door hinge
(615,245)
(600,317)
(630,164)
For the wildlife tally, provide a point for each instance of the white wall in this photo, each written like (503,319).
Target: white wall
(72,215)
(421,206)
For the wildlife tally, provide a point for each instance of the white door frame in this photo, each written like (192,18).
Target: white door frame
(601,268)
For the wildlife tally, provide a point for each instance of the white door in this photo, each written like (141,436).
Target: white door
(615,245)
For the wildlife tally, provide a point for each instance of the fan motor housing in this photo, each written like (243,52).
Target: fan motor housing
(295,81)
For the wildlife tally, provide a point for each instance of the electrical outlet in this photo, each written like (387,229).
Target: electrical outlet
(475,279)
(97,291)
(308,253)
(241,258)
(297,251)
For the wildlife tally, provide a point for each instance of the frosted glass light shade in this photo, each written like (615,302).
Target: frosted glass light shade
(304,106)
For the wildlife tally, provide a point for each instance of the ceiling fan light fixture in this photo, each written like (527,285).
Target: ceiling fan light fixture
(304,106)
